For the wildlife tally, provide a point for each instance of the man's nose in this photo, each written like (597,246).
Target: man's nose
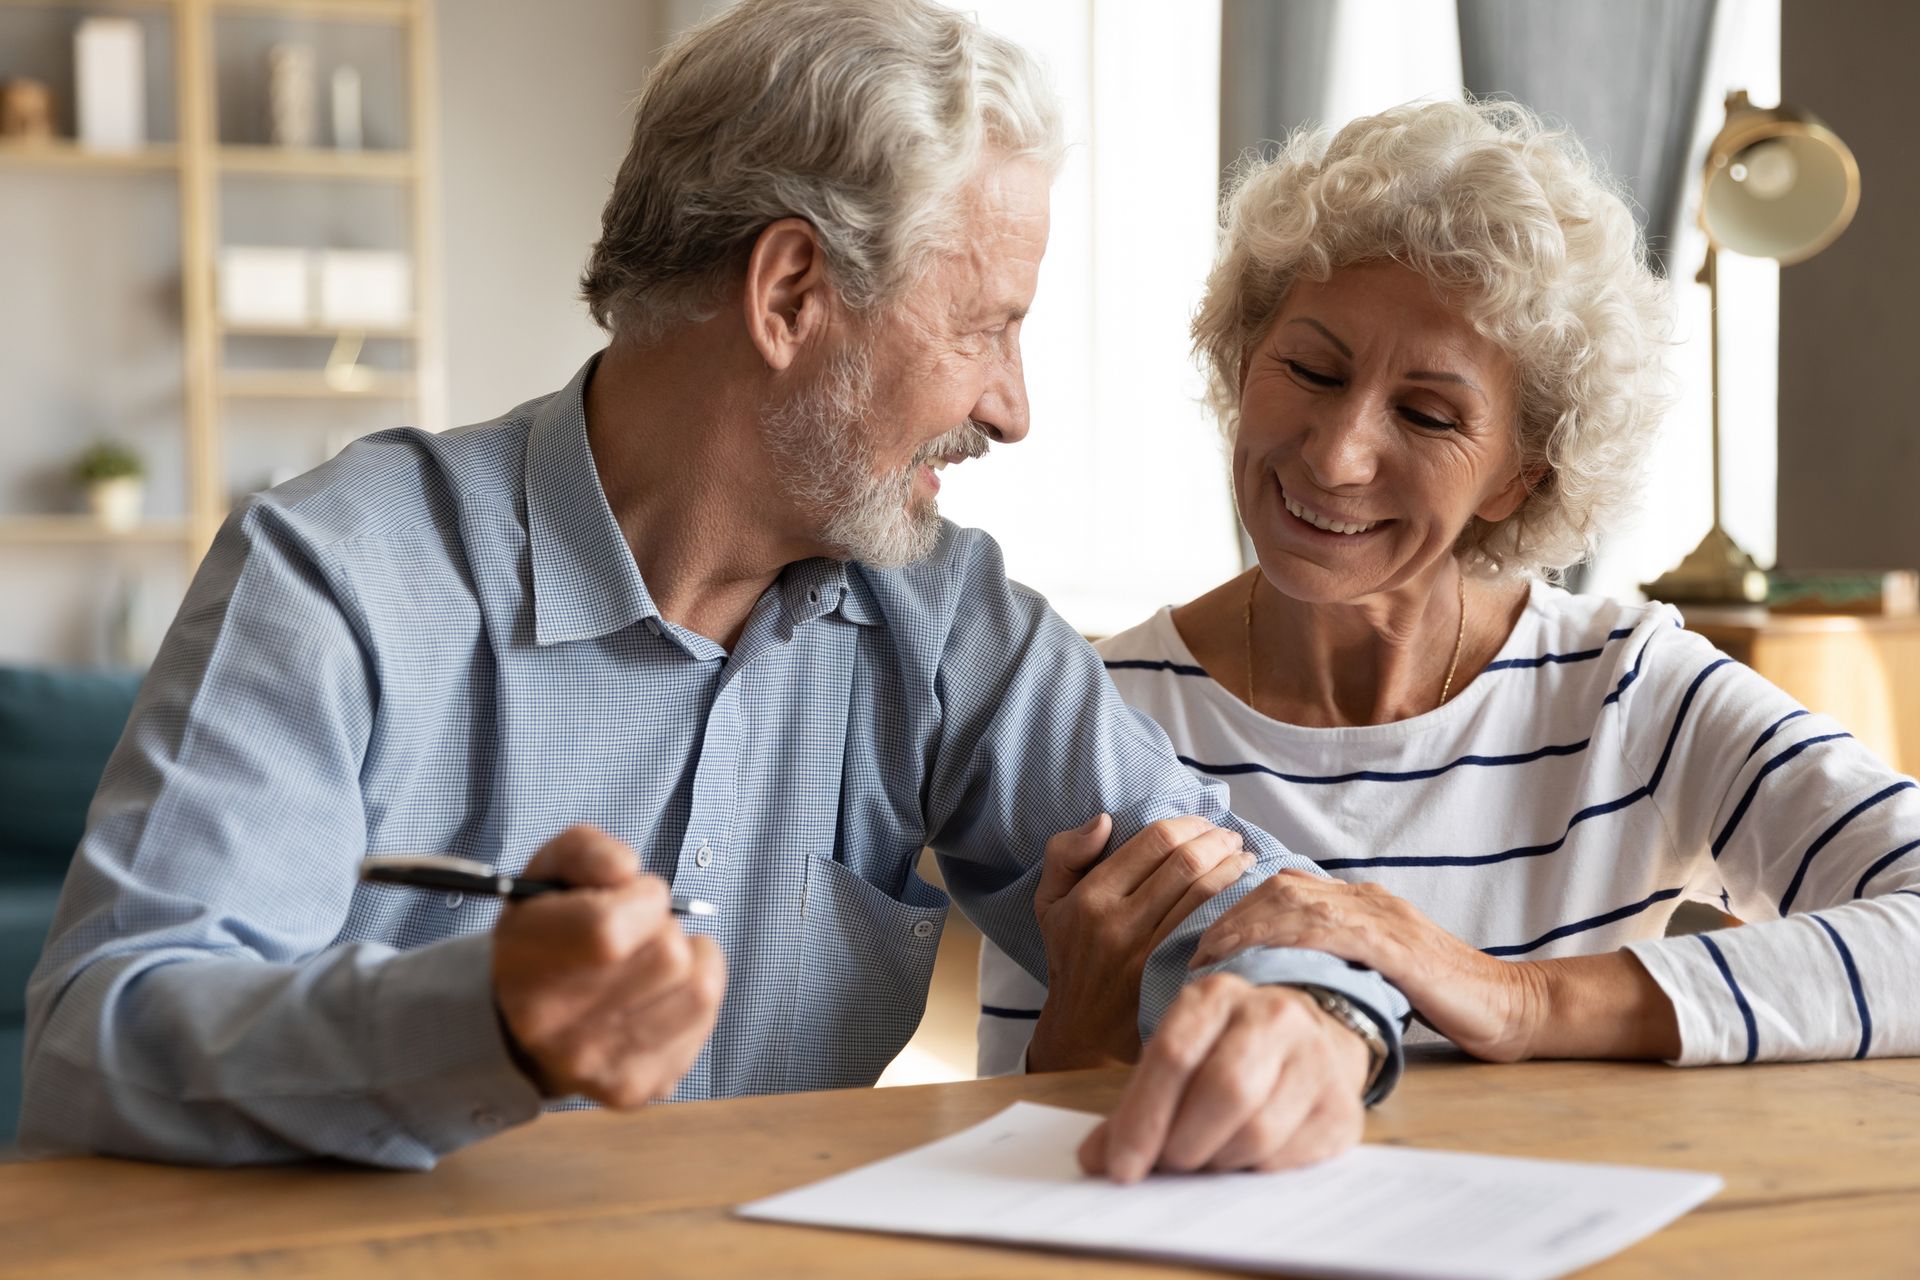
(1002,406)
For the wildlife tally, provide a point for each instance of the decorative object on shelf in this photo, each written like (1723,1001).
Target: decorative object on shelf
(261,286)
(364,288)
(291,95)
(1891,593)
(349,125)
(110,66)
(26,111)
(114,478)
(1777,184)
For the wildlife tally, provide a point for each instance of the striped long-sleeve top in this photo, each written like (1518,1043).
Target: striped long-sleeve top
(1604,768)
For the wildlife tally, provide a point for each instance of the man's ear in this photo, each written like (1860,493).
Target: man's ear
(1506,500)
(787,299)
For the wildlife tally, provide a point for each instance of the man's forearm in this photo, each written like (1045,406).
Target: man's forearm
(387,1059)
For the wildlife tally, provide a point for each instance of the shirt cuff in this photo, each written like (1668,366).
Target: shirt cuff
(444,1071)
(1293,967)
(1691,984)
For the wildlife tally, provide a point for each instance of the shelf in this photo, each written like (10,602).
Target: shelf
(346,10)
(335,331)
(65,153)
(293,384)
(90,5)
(316,162)
(80,529)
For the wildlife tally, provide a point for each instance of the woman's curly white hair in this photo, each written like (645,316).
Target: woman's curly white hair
(1517,227)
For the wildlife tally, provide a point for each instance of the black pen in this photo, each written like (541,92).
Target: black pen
(465,875)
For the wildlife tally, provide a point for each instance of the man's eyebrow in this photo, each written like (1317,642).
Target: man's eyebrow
(1325,332)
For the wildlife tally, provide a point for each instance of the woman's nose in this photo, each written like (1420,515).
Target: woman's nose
(1341,447)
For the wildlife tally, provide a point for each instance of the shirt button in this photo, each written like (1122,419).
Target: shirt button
(813,597)
(923,928)
(454,900)
(486,1119)
(703,857)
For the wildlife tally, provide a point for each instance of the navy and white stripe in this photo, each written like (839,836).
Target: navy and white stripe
(1606,766)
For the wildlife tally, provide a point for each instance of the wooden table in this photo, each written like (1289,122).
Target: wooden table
(1822,1164)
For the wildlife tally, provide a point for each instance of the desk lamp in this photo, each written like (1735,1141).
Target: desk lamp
(1777,184)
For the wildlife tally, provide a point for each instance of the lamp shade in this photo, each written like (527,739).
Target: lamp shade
(1779,184)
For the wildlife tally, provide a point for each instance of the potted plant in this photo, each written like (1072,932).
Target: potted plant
(114,479)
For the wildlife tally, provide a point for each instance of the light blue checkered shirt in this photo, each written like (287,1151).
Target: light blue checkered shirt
(442,643)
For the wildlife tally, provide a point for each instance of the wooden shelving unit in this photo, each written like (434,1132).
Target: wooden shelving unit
(63,153)
(277,384)
(367,166)
(85,529)
(201,162)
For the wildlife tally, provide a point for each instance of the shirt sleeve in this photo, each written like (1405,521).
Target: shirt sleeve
(1010,1000)
(1817,845)
(192,1003)
(1035,740)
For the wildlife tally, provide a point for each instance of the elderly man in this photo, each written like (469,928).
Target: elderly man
(692,620)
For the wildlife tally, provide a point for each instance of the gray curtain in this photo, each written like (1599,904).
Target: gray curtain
(1273,70)
(1274,56)
(1624,75)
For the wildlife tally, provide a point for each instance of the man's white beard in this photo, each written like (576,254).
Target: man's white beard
(824,464)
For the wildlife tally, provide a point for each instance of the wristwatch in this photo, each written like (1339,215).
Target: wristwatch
(1355,1019)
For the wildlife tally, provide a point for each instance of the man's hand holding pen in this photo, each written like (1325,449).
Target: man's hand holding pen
(600,991)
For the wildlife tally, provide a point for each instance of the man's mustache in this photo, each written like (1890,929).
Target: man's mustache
(968,440)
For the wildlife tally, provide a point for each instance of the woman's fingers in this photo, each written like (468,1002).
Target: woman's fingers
(1182,868)
(1290,910)
(1129,866)
(1224,875)
(1067,858)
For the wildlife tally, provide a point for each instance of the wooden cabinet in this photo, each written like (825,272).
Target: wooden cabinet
(1862,671)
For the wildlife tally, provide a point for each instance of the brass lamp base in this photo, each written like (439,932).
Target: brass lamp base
(1715,572)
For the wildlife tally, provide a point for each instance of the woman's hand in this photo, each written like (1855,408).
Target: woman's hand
(1491,1008)
(1101,919)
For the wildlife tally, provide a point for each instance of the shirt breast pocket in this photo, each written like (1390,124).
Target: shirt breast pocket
(862,986)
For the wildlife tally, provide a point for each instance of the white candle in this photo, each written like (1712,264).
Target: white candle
(346,109)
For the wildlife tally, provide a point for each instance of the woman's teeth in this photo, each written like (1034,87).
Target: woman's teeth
(1321,522)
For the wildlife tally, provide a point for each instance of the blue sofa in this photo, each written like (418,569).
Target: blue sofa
(56,731)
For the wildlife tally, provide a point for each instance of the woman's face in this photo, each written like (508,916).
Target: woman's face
(1374,422)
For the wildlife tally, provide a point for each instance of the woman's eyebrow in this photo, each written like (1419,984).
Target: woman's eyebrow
(1416,375)
(1430,375)
(1325,332)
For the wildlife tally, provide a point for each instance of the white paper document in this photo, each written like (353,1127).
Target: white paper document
(1376,1211)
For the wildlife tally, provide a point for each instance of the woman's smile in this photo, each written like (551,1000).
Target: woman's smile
(1324,522)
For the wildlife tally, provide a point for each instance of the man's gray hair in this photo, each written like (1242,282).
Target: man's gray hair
(864,117)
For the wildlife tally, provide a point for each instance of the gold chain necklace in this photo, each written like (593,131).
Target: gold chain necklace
(1459,639)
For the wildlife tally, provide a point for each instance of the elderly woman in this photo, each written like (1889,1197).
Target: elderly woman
(1435,346)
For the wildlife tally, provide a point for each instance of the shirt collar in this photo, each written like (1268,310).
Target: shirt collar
(585,582)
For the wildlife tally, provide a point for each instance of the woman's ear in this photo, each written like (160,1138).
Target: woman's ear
(786,299)
(1506,500)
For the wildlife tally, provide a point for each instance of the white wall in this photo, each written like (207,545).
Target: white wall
(534,119)
(1118,502)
